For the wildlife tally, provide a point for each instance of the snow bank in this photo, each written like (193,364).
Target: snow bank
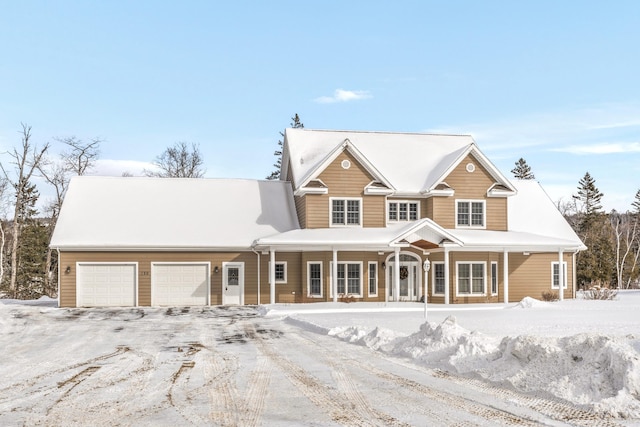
(594,370)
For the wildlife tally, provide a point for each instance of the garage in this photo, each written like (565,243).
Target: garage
(106,285)
(179,284)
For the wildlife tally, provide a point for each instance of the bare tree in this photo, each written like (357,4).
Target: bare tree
(77,159)
(178,162)
(4,185)
(26,161)
(80,156)
(625,233)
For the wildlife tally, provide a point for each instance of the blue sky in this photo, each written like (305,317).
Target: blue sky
(553,82)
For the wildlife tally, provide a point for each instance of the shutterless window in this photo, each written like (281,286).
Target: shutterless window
(494,278)
(403,211)
(349,278)
(345,212)
(470,214)
(555,275)
(438,278)
(471,278)
(373,279)
(281,272)
(314,271)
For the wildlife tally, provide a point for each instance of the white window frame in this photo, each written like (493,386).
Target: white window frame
(284,263)
(564,278)
(346,285)
(470,203)
(346,203)
(494,277)
(398,203)
(309,294)
(433,278)
(374,278)
(471,277)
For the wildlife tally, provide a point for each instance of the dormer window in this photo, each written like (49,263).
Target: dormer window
(403,211)
(346,212)
(470,214)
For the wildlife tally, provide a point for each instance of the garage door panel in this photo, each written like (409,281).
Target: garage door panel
(180,284)
(111,285)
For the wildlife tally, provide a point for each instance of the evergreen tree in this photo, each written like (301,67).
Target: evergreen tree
(589,196)
(522,170)
(295,124)
(636,203)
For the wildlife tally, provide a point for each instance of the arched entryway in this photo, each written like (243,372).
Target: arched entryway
(410,277)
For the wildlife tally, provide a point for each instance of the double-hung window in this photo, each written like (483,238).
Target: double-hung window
(349,278)
(470,213)
(403,211)
(314,279)
(281,272)
(373,279)
(346,212)
(471,278)
(555,275)
(494,278)
(438,278)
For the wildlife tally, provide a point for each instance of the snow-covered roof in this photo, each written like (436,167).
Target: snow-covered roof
(166,213)
(410,163)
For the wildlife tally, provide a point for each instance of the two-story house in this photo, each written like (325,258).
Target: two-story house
(372,216)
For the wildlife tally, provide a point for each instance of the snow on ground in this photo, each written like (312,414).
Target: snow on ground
(583,351)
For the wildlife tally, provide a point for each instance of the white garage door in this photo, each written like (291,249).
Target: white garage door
(106,285)
(179,284)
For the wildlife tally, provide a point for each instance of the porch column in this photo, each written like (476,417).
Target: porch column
(334,275)
(396,275)
(272,275)
(560,275)
(446,275)
(505,266)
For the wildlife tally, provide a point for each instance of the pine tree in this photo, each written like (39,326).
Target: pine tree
(522,170)
(589,196)
(636,203)
(295,124)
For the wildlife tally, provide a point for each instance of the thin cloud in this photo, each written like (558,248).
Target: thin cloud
(341,95)
(603,148)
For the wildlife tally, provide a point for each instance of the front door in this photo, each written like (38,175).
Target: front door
(232,283)
(409,280)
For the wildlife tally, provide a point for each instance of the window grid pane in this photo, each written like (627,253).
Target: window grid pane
(315,279)
(337,212)
(279,271)
(341,279)
(403,211)
(373,286)
(353,212)
(439,278)
(477,215)
(413,211)
(463,213)
(478,278)
(393,211)
(464,278)
(353,278)
(494,278)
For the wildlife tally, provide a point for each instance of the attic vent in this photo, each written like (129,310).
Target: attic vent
(346,164)
(471,167)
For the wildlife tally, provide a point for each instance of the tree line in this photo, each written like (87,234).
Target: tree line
(612,238)
(28,267)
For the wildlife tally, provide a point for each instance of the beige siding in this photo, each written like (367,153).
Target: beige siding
(344,183)
(470,186)
(301,210)
(530,275)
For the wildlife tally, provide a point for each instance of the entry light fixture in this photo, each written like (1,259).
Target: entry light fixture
(216,269)
(68,269)
(384,265)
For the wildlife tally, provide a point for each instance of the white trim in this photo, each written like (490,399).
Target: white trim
(564,264)
(240,265)
(494,277)
(470,167)
(420,276)
(346,284)
(346,209)
(285,272)
(204,263)
(470,202)
(135,278)
(484,279)
(375,278)
(433,278)
(309,294)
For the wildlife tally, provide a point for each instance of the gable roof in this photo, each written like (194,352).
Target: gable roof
(409,163)
(171,213)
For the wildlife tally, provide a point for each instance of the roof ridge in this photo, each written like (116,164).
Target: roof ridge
(382,132)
